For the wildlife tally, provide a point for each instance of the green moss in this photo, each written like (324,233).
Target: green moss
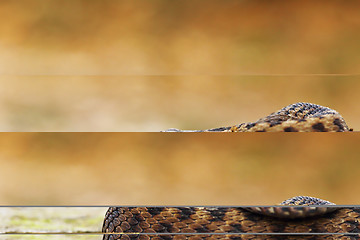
(53,219)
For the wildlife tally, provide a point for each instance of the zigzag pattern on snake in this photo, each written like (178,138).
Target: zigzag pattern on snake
(244,222)
(315,216)
(298,117)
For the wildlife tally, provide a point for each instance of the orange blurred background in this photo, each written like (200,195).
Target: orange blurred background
(137,66)
(173,169)
(182,37)
(141,65)
(156,103)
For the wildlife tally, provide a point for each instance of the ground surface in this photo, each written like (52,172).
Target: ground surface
(20,222)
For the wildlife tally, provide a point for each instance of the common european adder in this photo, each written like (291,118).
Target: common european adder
(296,218)
(298,117)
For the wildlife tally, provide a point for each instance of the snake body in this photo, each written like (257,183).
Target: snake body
(298,215)
(298,117)
(238,222)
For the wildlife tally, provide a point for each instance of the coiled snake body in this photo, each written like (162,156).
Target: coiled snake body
(307,216)
(312,217)
(298,117)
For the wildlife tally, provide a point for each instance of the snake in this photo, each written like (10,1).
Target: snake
(300,217)
(297,117)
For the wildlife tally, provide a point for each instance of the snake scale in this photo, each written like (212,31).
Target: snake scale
(298,117)
(296,218)
(313,217)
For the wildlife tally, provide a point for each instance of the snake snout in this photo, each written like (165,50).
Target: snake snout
(297,207)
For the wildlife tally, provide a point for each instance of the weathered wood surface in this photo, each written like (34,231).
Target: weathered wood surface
(51,222)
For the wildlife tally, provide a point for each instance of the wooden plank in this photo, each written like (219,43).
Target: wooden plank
(71,220)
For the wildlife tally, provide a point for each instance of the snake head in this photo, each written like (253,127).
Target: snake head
(296,207)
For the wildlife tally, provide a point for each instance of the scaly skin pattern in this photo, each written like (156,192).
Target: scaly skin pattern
(238,222)
(220,220)
(298,117)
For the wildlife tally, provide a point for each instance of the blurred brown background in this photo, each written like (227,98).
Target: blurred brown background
(179,37)
(151,65)
(155,103)
(90,65)
(171,169)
